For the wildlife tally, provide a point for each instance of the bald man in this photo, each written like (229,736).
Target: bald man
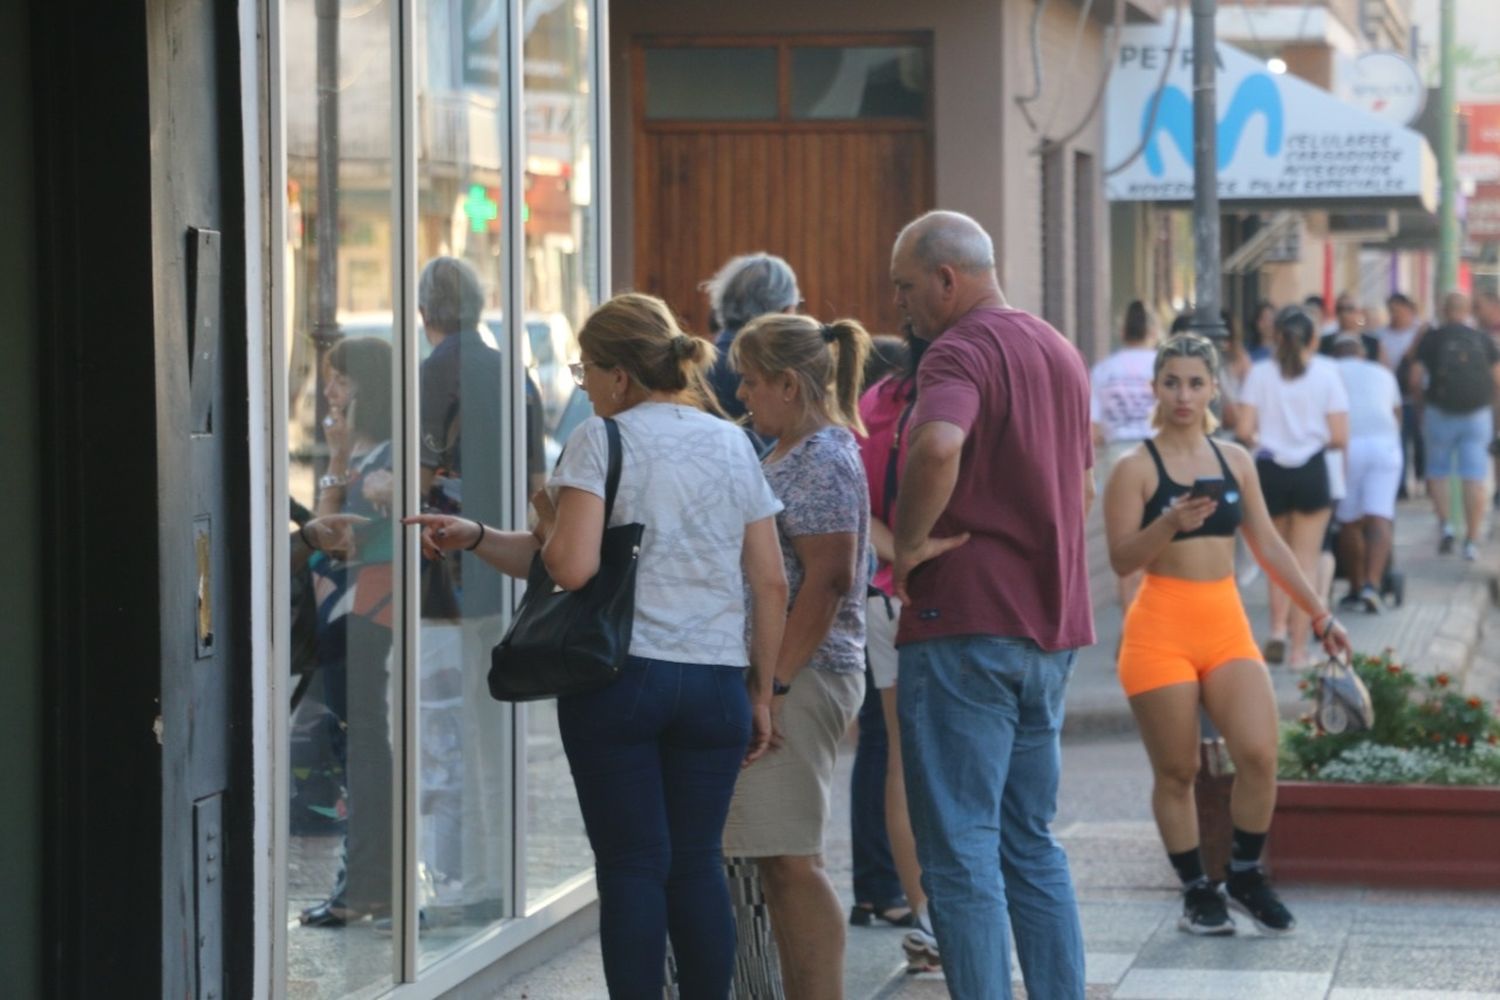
(989,564)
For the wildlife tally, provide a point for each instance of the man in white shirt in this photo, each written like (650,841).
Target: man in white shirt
(1367,513)
(1398,348)
(1121,401)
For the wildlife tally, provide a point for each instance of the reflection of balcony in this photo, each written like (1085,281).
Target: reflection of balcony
(459,133)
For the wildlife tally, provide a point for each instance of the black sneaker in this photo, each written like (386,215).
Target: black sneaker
(1203,911)
(1446,543)
(1369,600)
(1251,894)
(1352,601)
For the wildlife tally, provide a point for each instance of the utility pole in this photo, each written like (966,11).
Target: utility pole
(1207,318)
(1447,270)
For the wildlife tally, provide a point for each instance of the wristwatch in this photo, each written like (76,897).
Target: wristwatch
(779,688)
(324,482)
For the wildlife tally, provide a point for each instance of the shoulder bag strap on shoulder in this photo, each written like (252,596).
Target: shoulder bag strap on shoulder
(612,477)
(895,456)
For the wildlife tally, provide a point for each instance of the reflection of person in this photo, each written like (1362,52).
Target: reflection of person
(1367,514)
(799,381)
(1291,411)
(998,466)
(1462,370)
(655,755)
(748,286)
(352,567)
(1187,641)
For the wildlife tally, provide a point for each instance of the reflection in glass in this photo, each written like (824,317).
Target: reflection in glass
(340,410)
(859,82)
(718,84)
(463,781)
(561,252)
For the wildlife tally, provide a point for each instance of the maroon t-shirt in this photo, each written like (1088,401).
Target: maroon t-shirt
(1020,392)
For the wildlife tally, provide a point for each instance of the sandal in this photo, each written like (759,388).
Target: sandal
(337,913)
(896,913)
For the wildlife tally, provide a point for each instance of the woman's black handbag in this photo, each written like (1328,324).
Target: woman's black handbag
(571,642)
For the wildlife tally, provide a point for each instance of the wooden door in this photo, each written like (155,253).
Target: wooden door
(828,195)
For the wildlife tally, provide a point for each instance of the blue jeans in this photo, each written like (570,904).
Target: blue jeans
(980,719)
(875,879)
(654,758)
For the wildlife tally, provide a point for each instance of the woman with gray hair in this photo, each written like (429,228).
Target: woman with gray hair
(749,286)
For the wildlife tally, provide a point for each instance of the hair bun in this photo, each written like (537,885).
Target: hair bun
(682,346)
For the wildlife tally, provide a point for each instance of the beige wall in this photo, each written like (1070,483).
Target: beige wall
(983,159)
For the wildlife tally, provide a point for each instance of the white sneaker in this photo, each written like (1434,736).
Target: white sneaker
(1471,550)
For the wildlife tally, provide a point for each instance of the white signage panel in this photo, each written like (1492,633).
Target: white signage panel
(1279,138)
(1384,83)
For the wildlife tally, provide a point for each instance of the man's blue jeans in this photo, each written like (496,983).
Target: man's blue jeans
(654,757)
(980,719)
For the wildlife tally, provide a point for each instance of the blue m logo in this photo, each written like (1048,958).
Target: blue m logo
(1256,94)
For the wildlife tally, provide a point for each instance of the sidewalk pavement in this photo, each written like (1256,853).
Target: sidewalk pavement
(1352,944)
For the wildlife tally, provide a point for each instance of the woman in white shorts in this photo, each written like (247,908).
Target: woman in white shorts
(799,380)
(885,407)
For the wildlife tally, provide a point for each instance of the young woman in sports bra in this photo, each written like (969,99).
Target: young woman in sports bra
(1187,641)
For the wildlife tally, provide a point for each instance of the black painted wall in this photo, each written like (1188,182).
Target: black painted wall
(20,511)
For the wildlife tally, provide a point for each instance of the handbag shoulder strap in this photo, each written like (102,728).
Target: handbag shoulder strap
(612,477)
(889,493)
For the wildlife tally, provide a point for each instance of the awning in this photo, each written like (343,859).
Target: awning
(1282,141)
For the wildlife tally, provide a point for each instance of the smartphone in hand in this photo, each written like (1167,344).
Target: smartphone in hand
(1212,488)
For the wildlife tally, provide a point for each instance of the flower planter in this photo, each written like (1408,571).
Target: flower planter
(1427,836)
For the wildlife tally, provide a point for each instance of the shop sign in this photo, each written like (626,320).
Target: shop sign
(1484,127)
(1482,220)
(1384,83)
(1280,139)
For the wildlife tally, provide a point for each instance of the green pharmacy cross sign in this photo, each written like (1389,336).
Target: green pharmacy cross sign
(480,208)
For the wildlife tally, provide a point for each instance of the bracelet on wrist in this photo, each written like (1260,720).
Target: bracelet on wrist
(471,548)
(330,480)
(779,688)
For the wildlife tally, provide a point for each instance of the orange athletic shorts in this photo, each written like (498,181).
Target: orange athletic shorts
(1178,631)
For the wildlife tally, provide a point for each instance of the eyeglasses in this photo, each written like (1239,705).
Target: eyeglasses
(580,368)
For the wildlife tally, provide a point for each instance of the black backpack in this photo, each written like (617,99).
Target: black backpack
(1458,364)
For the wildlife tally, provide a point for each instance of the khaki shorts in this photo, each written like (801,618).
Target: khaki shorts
(782,801)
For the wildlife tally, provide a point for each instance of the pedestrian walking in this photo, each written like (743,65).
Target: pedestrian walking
(1487,312)
(1367,514)
(1120,402)
(800,382)
(1173,508)
(989,566)
(1349,319)
(1461,370)
(1398,351)
(1291,411)
(655,754)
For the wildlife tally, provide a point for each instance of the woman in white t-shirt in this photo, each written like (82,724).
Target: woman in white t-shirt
(1292,409)
(655,755)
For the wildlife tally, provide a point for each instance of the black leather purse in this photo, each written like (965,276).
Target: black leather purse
(571,642)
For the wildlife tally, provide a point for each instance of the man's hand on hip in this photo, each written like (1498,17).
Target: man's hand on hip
(908,559)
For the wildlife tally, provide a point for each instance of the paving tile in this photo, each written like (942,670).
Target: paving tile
(1386,964)
(1322,929)
(1340,993)
(1221,984)
(1120,927)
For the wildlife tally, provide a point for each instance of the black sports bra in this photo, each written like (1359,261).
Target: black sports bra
(1220,524)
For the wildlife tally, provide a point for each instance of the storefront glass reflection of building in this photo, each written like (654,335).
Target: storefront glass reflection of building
(376,805)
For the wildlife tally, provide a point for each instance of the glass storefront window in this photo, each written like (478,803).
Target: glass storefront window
(343,416)
(464,761)
(562,253)
(719,84)
(859,82)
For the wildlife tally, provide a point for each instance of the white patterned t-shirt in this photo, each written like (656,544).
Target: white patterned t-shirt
(694,481)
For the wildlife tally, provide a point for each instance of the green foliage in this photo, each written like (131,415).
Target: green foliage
(1425,732)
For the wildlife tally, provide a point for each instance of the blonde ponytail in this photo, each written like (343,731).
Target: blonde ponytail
(827,361)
